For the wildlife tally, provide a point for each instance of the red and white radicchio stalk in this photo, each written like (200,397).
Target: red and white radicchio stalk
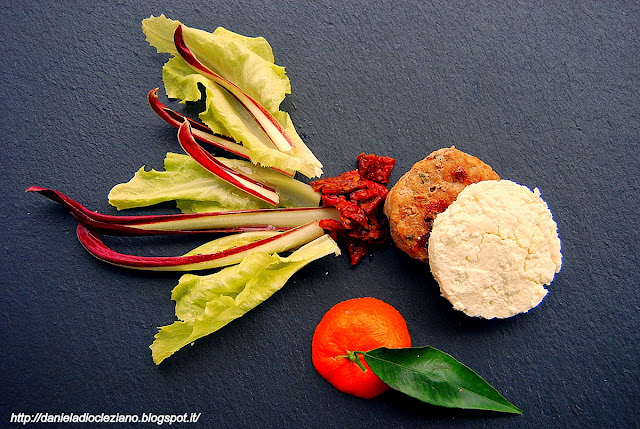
(287,240)
(208,161)
(298,225)
(190,223)
(270,125)
(201,132)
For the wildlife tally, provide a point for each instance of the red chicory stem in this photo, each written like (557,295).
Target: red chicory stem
(202,132)
(199,130)
(208,161)
(284,241)
(212,222)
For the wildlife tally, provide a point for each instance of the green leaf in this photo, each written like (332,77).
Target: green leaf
(247,62)
(183,179)
(435,377)
(205,304)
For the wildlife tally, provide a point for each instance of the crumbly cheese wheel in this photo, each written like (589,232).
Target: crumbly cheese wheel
(494,248)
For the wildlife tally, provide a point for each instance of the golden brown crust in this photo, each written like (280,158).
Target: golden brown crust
(426,190)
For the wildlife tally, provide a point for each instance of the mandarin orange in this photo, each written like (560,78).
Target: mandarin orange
(359,324)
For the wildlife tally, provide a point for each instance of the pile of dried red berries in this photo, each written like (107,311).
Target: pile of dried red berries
(359,197)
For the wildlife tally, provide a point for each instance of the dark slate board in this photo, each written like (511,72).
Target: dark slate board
(546,93)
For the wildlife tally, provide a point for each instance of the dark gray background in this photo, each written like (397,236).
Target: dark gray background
(545,92)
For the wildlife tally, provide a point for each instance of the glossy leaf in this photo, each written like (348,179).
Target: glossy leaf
(435,377)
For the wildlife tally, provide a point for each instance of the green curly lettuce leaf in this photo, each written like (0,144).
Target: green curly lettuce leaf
(248,63)
(205,304)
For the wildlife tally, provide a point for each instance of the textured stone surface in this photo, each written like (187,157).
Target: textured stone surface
(544,92)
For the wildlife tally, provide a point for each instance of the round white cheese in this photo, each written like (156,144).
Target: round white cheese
(494,248)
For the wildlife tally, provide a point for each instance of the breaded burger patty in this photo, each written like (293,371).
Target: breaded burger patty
(426,190)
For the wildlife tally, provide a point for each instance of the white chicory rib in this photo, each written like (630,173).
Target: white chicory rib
(200,131)
(223,221)
(271,127)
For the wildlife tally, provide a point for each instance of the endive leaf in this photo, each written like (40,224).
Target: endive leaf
(249,64)
(205,304)
(435,377)
(183,179)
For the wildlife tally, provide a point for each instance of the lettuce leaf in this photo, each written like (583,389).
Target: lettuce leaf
(197,189)
(247,62)
(205,304)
